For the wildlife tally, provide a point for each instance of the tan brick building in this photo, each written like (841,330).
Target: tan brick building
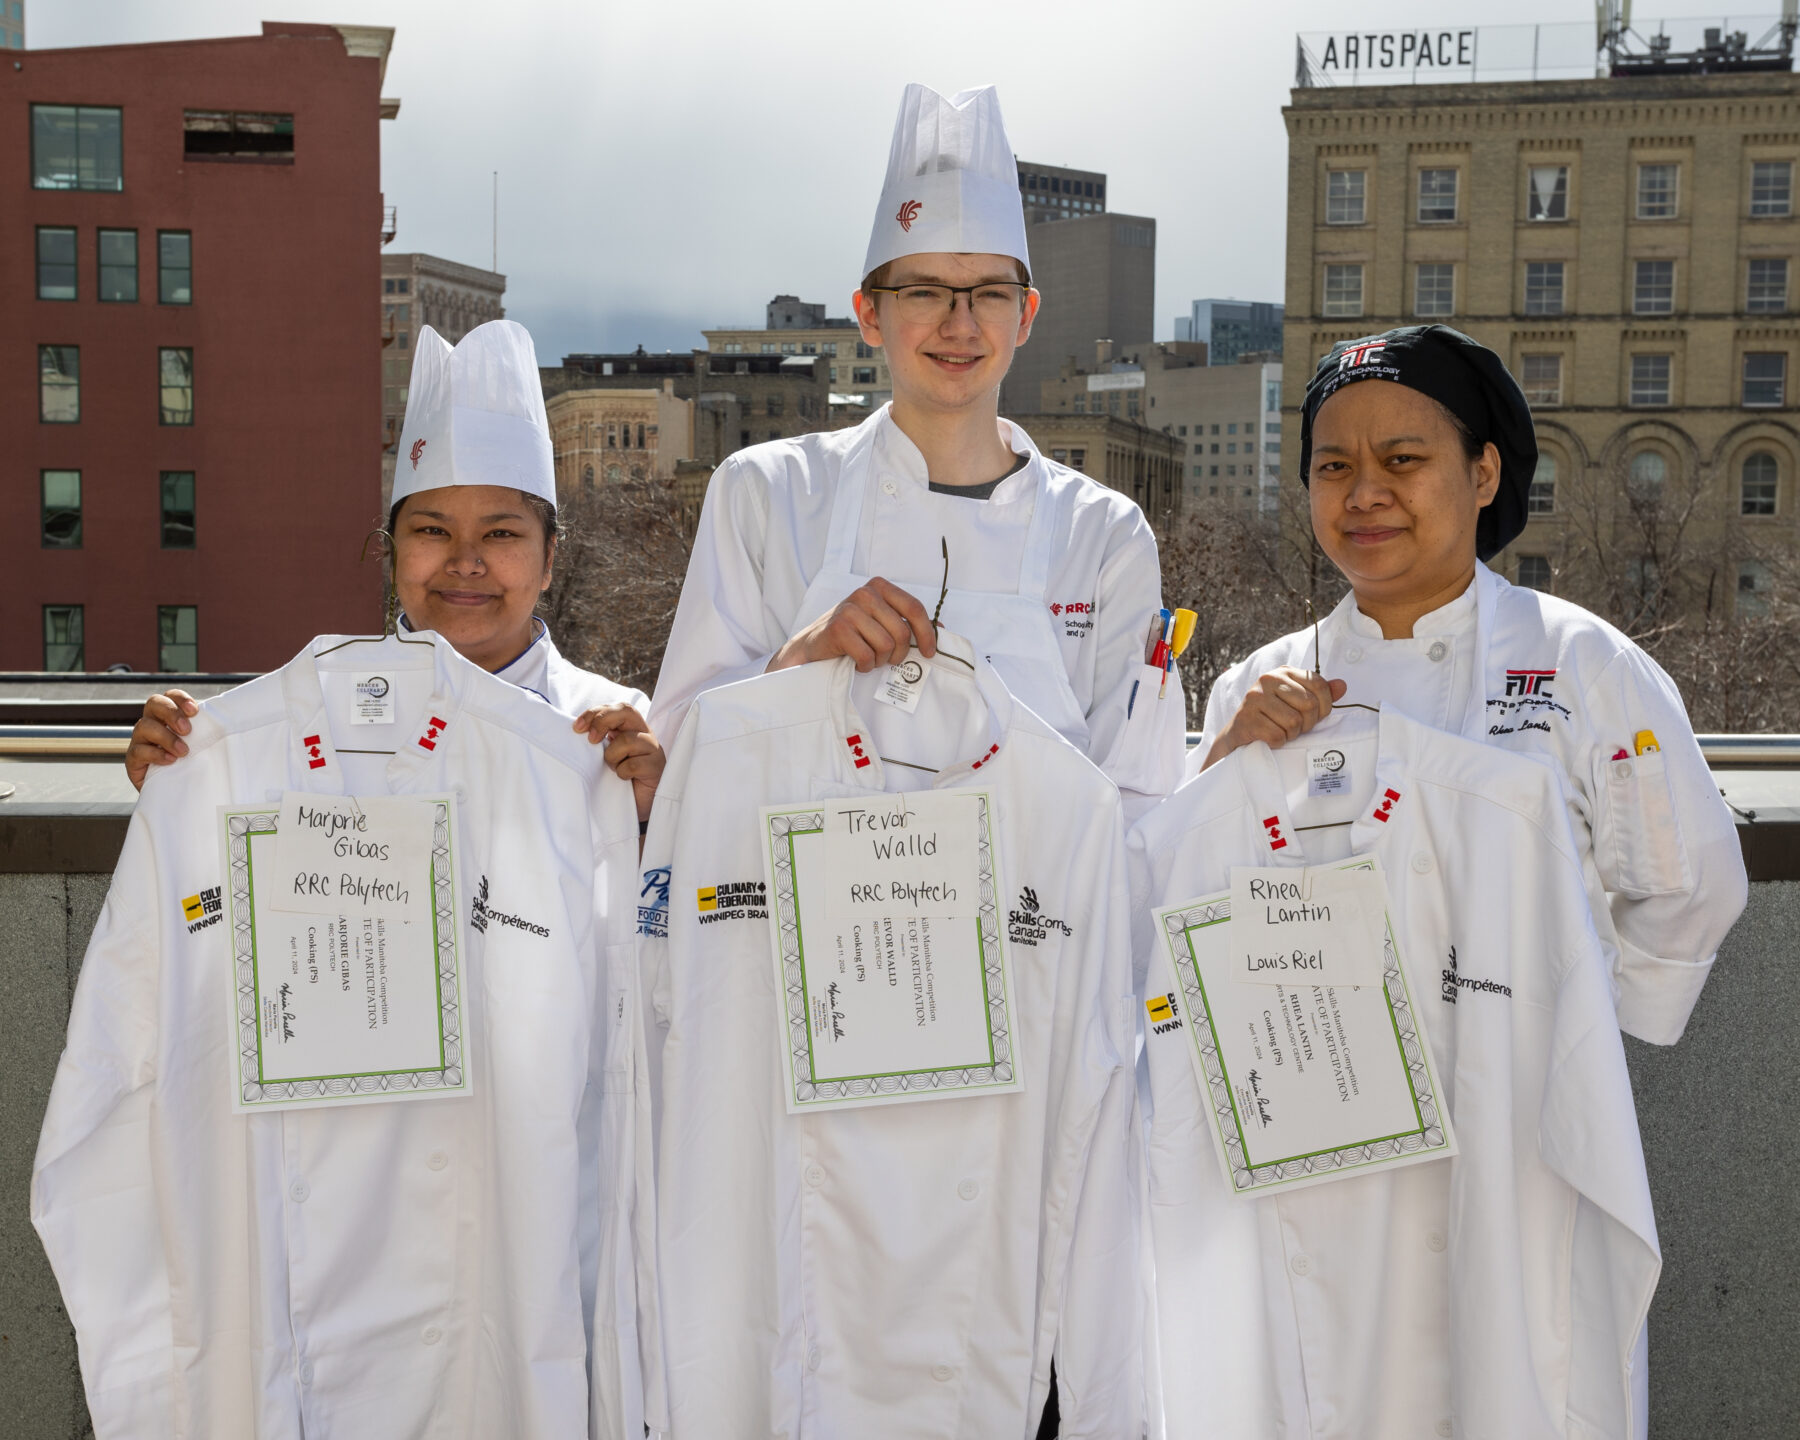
(1629,245)
(795,327)
(606,436)
(1122,454)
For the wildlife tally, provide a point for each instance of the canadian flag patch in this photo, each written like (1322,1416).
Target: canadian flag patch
(315,757)
(855,742)
(993,750)
(1277,841)
(435,728)
(1386,807)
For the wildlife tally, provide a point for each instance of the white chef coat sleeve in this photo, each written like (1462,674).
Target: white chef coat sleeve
(1099,1344)
(1139,743)
(723,629)
(93,1193)
(1664,845)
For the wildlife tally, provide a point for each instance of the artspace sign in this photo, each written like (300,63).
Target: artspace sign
(1349,51)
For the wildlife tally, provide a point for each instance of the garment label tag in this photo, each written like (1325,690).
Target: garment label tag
(1312,925)
(374,701)
(344,855)
(905,683)
(1327,772)
(893,855)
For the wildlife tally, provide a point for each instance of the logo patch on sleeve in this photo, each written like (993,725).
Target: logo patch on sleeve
(1164,1013)
(203,909)
(734,900)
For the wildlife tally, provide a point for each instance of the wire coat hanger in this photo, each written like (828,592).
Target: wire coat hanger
(390,629)
(1318,674)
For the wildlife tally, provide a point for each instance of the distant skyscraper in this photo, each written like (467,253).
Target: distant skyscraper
(1231,328)
(12,24)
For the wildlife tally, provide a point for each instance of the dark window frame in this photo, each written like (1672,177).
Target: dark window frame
(80,627)
(38,183)
(235,148)
(174,611)
(163,411)
(101,266)
(162,291)
(165,523)
(44,419)
(46,518)
(73,264)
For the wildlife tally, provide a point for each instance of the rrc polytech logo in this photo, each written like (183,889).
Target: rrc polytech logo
(1529,682)
(908,213)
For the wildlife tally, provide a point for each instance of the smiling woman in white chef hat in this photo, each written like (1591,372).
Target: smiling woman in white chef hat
(833,544)
(473,538)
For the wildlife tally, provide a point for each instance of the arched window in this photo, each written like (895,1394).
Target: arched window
(1757,495)
(1542,498)
(1648,472)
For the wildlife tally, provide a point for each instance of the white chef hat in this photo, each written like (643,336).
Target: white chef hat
(952,182)
(475,414)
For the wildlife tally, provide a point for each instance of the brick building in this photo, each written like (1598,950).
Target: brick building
(419,290)
(192,262)
(1628,244)
(1122,454)
(798,327)
(738,400)
(605,436)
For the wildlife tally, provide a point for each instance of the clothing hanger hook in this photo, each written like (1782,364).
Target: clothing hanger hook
(944,590)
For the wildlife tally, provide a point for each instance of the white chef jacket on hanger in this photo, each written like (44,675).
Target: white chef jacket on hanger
(902,1270)
(1528,672)
(1054,578)
(1499,1295)
(541,669)
(422,1268)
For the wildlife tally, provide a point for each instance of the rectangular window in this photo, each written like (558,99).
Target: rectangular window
(1343,289)
(59,384)
(1345,196)
(1549,198)
(238,136)
(178,509)
(772,404)
(55,263)
(175,267)
(62,638)
(1653,287)
(387,287)
(61,509)
(1542,379)
(1767,291)
(1650,379)
(1765,378)
(176,376)
(76,147)
(1434,290)
(1544,287)
(769,347)
(1656,191)
(1752,587)
(862,375)
(177,638)
(1078,459)
(118,265)
(1534,572)
(1760,480)
(864,352)
(829,348)
(1437,196)
(1772,187)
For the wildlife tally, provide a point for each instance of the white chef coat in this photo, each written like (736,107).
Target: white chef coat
(902,1270)
(541,669)
(1054,577)
(1500,1294)
(1528,672)
(419,1269)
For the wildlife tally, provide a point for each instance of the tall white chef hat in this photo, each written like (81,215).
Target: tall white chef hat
(952,182)
(475,414)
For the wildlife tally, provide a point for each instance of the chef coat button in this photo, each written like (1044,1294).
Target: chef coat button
(300,1192)
(1421,863)
(1437,651)
(1435,1240)
(889,488)
(1622,769)
(438,1160)
(1446,1428)
(431,1334)
(812,1358)
(814,1175)
(1353,654)
(1301,1264)
(941,1372)
(968,1189)
(306,1372)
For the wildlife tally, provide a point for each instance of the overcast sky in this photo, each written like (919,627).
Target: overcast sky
(670,166)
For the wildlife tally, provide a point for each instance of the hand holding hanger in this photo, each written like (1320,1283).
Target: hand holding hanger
(1281,705)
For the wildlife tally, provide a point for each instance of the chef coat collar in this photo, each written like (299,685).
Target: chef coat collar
(1454,619)
(313,762)
(530,668)
(899,457)
(1260,777)
(857,763)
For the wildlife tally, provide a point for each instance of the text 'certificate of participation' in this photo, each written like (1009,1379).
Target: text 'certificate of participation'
(348,1003)
(1304,1084)
(890,971)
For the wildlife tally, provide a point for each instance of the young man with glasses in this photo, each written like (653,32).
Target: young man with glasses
(835,543)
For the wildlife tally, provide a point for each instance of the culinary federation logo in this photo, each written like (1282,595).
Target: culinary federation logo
(908,213)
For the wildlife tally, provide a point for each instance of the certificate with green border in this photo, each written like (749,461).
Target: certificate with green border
(1302,1084)
(341,1009)
(891,1008)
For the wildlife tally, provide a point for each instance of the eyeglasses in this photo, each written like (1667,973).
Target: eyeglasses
(998,301)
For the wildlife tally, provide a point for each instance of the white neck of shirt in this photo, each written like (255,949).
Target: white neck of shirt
(1426,676)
